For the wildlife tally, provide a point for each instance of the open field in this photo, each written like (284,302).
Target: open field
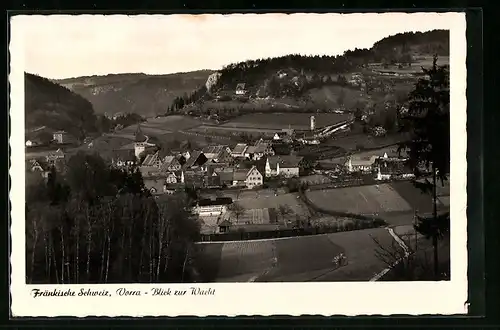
(335,96)
(278,121)
(422,202)
(163,125)
(351,141)
(321,151)
(363,200)
(215,130)
(306,258)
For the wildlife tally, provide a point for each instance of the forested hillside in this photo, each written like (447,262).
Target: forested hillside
(364,79)
(398,49)
(56,107)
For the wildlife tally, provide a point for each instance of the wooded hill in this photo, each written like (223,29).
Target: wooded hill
(261,74)
(316,82)
(56,107)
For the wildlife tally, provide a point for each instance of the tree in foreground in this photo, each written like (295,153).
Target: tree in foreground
(428,124)
(96,224)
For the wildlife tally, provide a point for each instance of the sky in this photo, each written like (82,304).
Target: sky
(64,46)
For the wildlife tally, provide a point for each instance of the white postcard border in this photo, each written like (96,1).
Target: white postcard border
(233,299)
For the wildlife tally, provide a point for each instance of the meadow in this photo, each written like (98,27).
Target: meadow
(278,121)
(363,200)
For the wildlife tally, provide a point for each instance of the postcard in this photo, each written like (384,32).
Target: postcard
(238,164)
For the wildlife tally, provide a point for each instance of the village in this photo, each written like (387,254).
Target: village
(245,186)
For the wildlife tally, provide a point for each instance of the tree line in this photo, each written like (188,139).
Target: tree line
(95,224)
(106,124)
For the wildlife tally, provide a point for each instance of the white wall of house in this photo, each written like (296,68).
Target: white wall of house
(254,179)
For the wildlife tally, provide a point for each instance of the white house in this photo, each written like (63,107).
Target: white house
(170,163)
(32,143)
(249,178)
(360,164)
(259,150)
(61,137)
(140,147)
(254,178)
(286,165)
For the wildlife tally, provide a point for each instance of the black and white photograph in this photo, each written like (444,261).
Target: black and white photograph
(194,151)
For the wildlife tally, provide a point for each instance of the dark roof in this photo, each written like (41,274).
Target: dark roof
(240,174)
(285,161)
(226,176)
(290,161)
(251,149)
(261,147)
(194,158)
(225,223)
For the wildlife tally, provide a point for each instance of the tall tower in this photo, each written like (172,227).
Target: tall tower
(313,123)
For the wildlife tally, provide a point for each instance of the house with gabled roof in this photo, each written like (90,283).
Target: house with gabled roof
(39,166)
(196,159)
(218,153)
(174,177)
(249,178)
(152,160)
(259,150)
(170,163)
(286,165)
(55,156)
(360,164)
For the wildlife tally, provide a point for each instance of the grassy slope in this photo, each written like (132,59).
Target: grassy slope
(147,95)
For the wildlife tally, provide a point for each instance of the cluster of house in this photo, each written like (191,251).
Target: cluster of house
(42,165)
(215,166)
(59,137)
(384,167)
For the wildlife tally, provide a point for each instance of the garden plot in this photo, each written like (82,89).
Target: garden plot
(252,217)
(291,200)
(359,200)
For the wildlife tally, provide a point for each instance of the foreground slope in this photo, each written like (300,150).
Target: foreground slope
(306,258)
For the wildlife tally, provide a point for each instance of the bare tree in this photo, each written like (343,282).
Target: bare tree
(237,210)
(284,210)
